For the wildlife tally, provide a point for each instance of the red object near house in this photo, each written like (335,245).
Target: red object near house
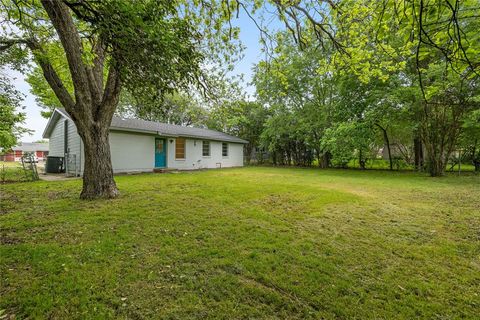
(40,150)
(9,157)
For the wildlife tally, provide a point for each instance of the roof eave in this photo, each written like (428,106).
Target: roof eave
(158,133)
(50,123)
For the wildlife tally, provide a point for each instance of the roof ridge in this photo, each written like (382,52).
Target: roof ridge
(162,128)
(180,127)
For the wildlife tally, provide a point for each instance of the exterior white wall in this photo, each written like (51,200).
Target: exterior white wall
(132,152)
(135,152)
(195,160)
(56,142)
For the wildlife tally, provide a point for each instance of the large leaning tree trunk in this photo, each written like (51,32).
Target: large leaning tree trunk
(94,104)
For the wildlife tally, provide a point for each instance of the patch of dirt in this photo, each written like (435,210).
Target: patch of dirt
(7,240)
(54,195)
(7,202)
(282,203)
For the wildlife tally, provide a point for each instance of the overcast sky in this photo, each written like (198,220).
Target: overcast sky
(249,36)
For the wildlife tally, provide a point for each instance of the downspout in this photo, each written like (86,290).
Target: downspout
(80,157)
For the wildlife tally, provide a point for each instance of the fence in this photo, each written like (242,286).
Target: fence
(70,164)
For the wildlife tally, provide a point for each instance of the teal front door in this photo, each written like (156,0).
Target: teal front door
(160,153)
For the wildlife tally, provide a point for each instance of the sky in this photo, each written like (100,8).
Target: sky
(249,36)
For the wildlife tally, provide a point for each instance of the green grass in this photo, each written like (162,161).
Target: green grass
(11,171)
(257,243)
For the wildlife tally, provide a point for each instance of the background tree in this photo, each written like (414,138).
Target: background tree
(375,40)
(244,119)
(11,119)
(175,108)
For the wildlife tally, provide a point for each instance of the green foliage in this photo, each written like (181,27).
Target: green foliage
(244,119)
(175,108)
(158,46)
(44,95)
(10,119)
(377,81)
(346,140)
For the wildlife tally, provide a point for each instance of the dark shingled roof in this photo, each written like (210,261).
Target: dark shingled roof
(165,129)
(170,130)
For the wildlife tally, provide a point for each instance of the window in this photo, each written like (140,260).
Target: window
(206,148)
(180,148)
(224,149)
(159,146)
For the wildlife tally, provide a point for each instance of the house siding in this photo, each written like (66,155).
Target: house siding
(132,152)
(195,160)
(56,141)
(135,152)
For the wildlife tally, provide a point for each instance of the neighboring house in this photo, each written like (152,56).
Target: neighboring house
(40,150)
(141,146)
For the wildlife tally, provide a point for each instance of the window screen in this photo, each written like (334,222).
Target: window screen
(224,149)
(180,148)
(206,148)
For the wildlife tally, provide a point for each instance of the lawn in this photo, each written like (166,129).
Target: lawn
(13,172)
(256,243)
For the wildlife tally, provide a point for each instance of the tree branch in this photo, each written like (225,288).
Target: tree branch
(62,20)
(111,96)
(54,81)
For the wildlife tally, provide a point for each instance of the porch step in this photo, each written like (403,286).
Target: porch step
(164,170)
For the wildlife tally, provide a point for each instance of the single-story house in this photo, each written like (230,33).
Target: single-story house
(39,150)
(142,146)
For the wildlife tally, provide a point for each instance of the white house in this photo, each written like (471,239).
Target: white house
(142,146)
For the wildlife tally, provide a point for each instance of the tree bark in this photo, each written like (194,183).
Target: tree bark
(436,166)
(98,179)
(475,157)
(387,143)
(324,160)
(361,161)
(418,150)
(94,104)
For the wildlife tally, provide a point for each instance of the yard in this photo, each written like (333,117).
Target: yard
(244,243)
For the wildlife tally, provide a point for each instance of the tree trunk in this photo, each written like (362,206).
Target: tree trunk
(361,161)
(437,158)
(418,150)
(325,160)
(475,157)
(436,166)
(387,143)
(476,163)
(98,179)
(94,103)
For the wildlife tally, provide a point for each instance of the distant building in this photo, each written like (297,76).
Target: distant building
(40,150)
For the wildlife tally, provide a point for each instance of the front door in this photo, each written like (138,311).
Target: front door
(160,153)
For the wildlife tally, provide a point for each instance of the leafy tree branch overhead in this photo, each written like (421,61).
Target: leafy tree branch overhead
(108,45)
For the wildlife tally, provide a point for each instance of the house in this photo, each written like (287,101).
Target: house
(142,146)
(40,150)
